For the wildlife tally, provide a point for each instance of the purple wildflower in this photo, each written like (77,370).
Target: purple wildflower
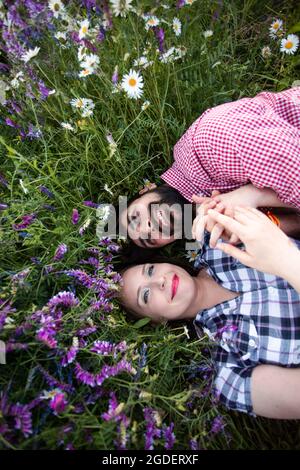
(33,132)
(84,376)
(58,402)
(218,425)
(180,4)
(3,181)
(152,430)
(160,36)
(23,418)
(169,436)
(111,371)
(44,91)
(115,77)
(3,207)
(75,216)
(194,444)
(60,252)
(46,191)
(70,356)
(91,204)
(86,331)
(63,299)
(26,221)
(114,410)
(105,347)
(11,123)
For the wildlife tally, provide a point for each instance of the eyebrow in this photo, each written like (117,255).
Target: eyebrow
(139,289)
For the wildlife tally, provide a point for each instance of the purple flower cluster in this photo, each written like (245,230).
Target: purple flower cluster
(92,380)
(152,431)
(105,347)
(60,252)
(26,221)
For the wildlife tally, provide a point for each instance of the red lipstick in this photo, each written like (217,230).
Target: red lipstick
(175,282)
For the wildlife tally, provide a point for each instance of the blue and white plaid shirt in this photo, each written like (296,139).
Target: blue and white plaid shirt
(259,326)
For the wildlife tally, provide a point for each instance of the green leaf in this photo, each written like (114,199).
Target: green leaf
(295,28)
(142,322)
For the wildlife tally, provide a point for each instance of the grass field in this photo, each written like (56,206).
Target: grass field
(75,134)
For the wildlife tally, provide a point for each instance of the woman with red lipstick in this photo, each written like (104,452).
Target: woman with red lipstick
(253,319)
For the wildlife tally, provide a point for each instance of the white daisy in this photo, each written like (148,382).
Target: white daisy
(176,26)
(151,22)
(67,126)
(90,61)
(81,53)
(133,84)
(15,82)
(191,255)
(62,38)
(86,105)
(121,7)
(208,33)
(83,28)
(290,44)
(275,28)
(78,103)
(141,62)
(30,54)
(57,7)
(86,72)
(189,2)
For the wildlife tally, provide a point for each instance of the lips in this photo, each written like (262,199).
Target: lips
(175,282)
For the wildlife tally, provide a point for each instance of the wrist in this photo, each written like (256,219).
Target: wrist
(290,267)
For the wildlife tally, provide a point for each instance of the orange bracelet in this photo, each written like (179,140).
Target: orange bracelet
(273,218)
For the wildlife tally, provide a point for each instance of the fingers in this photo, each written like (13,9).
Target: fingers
(199,199)
(230,224)
(215,234)
(235,252)
(199,228)
(215,193)
(234,239)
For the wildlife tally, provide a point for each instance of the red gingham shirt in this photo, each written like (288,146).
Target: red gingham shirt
(251,140)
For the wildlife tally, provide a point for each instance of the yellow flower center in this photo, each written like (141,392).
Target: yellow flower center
(84,29)
(152,21)
(56,7)
(276,25)
(79,103)
(288,45)
(132,81)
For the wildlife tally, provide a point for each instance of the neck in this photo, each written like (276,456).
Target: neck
(208,294)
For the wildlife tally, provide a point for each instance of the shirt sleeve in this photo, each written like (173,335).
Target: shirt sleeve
(233,388)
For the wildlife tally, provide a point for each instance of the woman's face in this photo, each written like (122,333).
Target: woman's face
(161,291)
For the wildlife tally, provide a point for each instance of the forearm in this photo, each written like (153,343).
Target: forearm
(266,197)
(292,271)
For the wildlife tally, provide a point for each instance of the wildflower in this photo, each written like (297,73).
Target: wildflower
(15,82)
(58,402)
(160,35)
(86,105)
(191,255)
(121,7)
(176,25)
(84,226)
(218,425)
(60,252)
(27,56)
(84,29)
(208,33)
(114,409)
(142,62)
(114,77)
(67,126)
(145,105)
(290,44)
(90,61)
(75,216)
(57,8)
(105,347)
(26,221)
(46,191)
(61,37)
(86,72)
(266,52)
(152,430)
(63,299)
(169,436)
(275,28)
(23,418)
(132,84)
(3,207)
(71,354)
(151,22)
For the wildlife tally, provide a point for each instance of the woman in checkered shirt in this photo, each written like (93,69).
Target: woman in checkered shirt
(253,318)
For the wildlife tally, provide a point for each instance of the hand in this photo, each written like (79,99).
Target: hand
(203,222)
(267,248)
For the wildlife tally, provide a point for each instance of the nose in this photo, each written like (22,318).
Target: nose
(160,283)
(144,227)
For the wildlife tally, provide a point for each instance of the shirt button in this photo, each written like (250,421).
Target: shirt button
(252,343)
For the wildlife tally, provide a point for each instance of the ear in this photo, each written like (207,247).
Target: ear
(147,188)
